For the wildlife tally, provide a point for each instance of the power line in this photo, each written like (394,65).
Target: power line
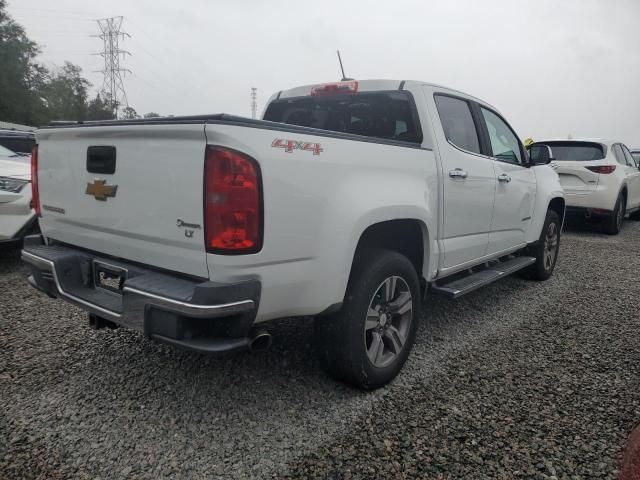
(163,72)
(58,13)
(57,34)
(113,84)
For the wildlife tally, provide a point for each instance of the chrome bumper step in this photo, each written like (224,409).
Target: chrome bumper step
(64,272)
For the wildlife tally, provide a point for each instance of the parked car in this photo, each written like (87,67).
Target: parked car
(349,201)
(19,141)
(600,178)
(17,218)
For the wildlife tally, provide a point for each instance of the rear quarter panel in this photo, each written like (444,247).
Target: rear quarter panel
(316,208)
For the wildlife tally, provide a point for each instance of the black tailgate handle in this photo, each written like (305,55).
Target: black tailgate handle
(101,159)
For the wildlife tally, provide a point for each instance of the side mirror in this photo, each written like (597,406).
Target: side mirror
(540,154)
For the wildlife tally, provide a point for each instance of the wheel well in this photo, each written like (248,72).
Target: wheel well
(624,192)
(404,236)
(557,205)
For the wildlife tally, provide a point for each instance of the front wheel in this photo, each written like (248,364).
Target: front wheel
(546,249)
(368,341)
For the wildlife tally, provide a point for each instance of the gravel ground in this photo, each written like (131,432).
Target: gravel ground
(517,380)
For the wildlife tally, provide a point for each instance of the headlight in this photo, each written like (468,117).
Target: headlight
(13,185)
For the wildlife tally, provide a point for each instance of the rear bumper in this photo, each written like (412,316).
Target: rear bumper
(199,315)
(588,212)
(599,198)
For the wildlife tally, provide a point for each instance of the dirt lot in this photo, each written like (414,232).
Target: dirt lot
(518,380)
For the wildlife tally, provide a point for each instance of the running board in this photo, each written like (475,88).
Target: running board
(475,280)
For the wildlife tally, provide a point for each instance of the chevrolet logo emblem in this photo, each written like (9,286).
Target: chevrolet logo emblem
(101,191)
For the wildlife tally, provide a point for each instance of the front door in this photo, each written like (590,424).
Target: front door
(516,185)
(469,183)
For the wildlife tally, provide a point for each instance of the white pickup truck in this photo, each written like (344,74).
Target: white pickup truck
(349,201)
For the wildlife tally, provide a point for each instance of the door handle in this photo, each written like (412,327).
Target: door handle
(503,177)
(458,173)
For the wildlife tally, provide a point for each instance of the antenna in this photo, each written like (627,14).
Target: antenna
(344,77)
(254,103)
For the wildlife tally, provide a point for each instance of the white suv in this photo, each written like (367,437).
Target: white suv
(599,177)
(17,218)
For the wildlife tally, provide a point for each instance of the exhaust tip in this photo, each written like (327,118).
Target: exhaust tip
(260,341)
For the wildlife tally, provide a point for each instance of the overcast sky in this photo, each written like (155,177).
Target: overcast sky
(552,67)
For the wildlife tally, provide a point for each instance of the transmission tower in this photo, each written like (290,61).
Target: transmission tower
(254,103)
(113,85)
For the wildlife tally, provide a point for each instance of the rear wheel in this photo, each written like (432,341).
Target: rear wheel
(613,223)
(546,249)
(368,341)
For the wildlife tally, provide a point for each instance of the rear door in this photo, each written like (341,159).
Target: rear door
(130,191)
(633,178)
(516,184)
(469,182)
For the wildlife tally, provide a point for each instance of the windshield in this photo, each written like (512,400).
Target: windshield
(5,152)
(575,151)
(388,115)
(13,156)
(636,156)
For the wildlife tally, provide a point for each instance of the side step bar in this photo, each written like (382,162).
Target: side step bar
(473,281)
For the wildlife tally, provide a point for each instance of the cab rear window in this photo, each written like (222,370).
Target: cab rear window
(385,115)
(576,151)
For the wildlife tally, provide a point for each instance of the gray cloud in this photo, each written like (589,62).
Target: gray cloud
(553,68)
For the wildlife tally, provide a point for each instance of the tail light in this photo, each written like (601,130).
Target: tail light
(232,202)
(605,169)
(334,88)
(35,194)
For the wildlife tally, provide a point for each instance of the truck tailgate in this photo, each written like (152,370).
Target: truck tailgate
(154,215)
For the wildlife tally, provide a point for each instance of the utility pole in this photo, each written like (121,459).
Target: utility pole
(254,103)
(113,85)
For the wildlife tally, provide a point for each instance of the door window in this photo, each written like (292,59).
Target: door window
(628,157)
(504,143)
(457,123)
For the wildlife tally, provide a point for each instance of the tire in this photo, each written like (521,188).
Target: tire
(362,345)
(613,223)
(545,250)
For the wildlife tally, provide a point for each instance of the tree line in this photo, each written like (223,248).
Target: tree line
(31,94)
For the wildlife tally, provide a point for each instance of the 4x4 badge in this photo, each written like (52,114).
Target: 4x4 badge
(100,190)
(291,145)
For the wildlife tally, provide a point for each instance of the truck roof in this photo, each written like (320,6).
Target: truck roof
(372,85)
(603,141)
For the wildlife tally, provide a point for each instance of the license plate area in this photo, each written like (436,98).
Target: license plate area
(109,277)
